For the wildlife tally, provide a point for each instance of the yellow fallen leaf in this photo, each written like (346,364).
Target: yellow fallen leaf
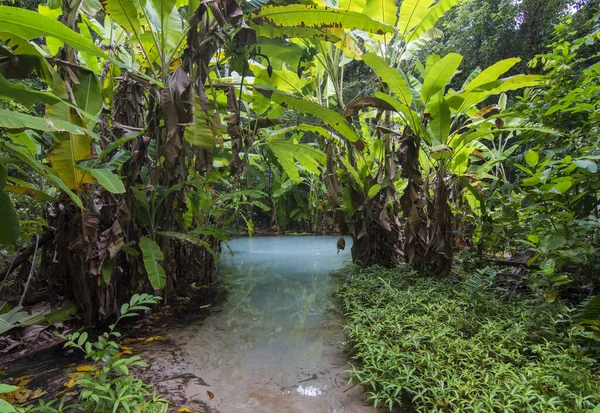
(71,382)
(184,410)
(22,381)
(255,318)
(37,393)
(210,395)
(155,338)
(84,368)
(130,340)
(227,275)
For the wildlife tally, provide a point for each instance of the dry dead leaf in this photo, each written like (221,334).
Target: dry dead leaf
(210,395)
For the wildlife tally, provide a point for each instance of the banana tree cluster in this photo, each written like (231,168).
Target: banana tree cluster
(391,157)
(127,137)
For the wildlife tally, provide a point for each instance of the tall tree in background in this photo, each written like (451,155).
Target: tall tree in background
(485,31)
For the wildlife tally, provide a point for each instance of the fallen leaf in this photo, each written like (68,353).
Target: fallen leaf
(227,275)
(255,318)
(184,410)
(84,368)
(37,393)
(130,340)
(22,381)
(210,395)
(155,338)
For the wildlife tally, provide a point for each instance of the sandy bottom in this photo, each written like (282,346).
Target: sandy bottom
(275,345)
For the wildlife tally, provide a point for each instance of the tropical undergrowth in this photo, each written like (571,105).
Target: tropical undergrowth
(431,345)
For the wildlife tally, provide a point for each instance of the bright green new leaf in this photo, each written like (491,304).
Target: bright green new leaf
(532,158)
(31,25)
(9,224)
(492,73)
(427,23)
(383,10)
(412,12)
(440,76)
(152,255)
(374,190)
(109,180)
(391,76)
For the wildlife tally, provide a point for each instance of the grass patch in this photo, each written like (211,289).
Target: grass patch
(434,346)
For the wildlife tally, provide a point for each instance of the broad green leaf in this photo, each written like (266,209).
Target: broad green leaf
(308,157)
(383,10)
(427,23)
(33,56)
(275,32)
(555,241)
(309,16)
(31,25)
(440,76)
(21,121)
(492,73)
(464,100)
(67,151)
(329,116)
(374,190)
(351,5)
(125,14)
(9,224)
(410,117)
(304,127)
(26,140)
(439,112)
(586,164)
(282,50)
(412,13)
(88,93)
(532,158)
(206,126)
(391,76)
(7,388)
(24,95)
(152,257)
(42,170)
(109,180)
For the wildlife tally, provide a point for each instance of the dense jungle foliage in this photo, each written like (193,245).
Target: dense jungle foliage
(458,138)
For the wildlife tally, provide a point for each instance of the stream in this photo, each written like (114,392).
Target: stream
(274,346)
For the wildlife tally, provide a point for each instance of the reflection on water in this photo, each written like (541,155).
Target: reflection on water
(274,347)
(281,290)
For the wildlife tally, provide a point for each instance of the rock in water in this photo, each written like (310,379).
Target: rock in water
(341,244)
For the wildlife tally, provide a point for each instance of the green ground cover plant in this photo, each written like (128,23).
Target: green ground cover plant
(431,345)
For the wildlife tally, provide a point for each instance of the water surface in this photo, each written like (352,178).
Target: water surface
(274,347)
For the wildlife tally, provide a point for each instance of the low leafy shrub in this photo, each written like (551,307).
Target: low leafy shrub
(430,345)
(109,386)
